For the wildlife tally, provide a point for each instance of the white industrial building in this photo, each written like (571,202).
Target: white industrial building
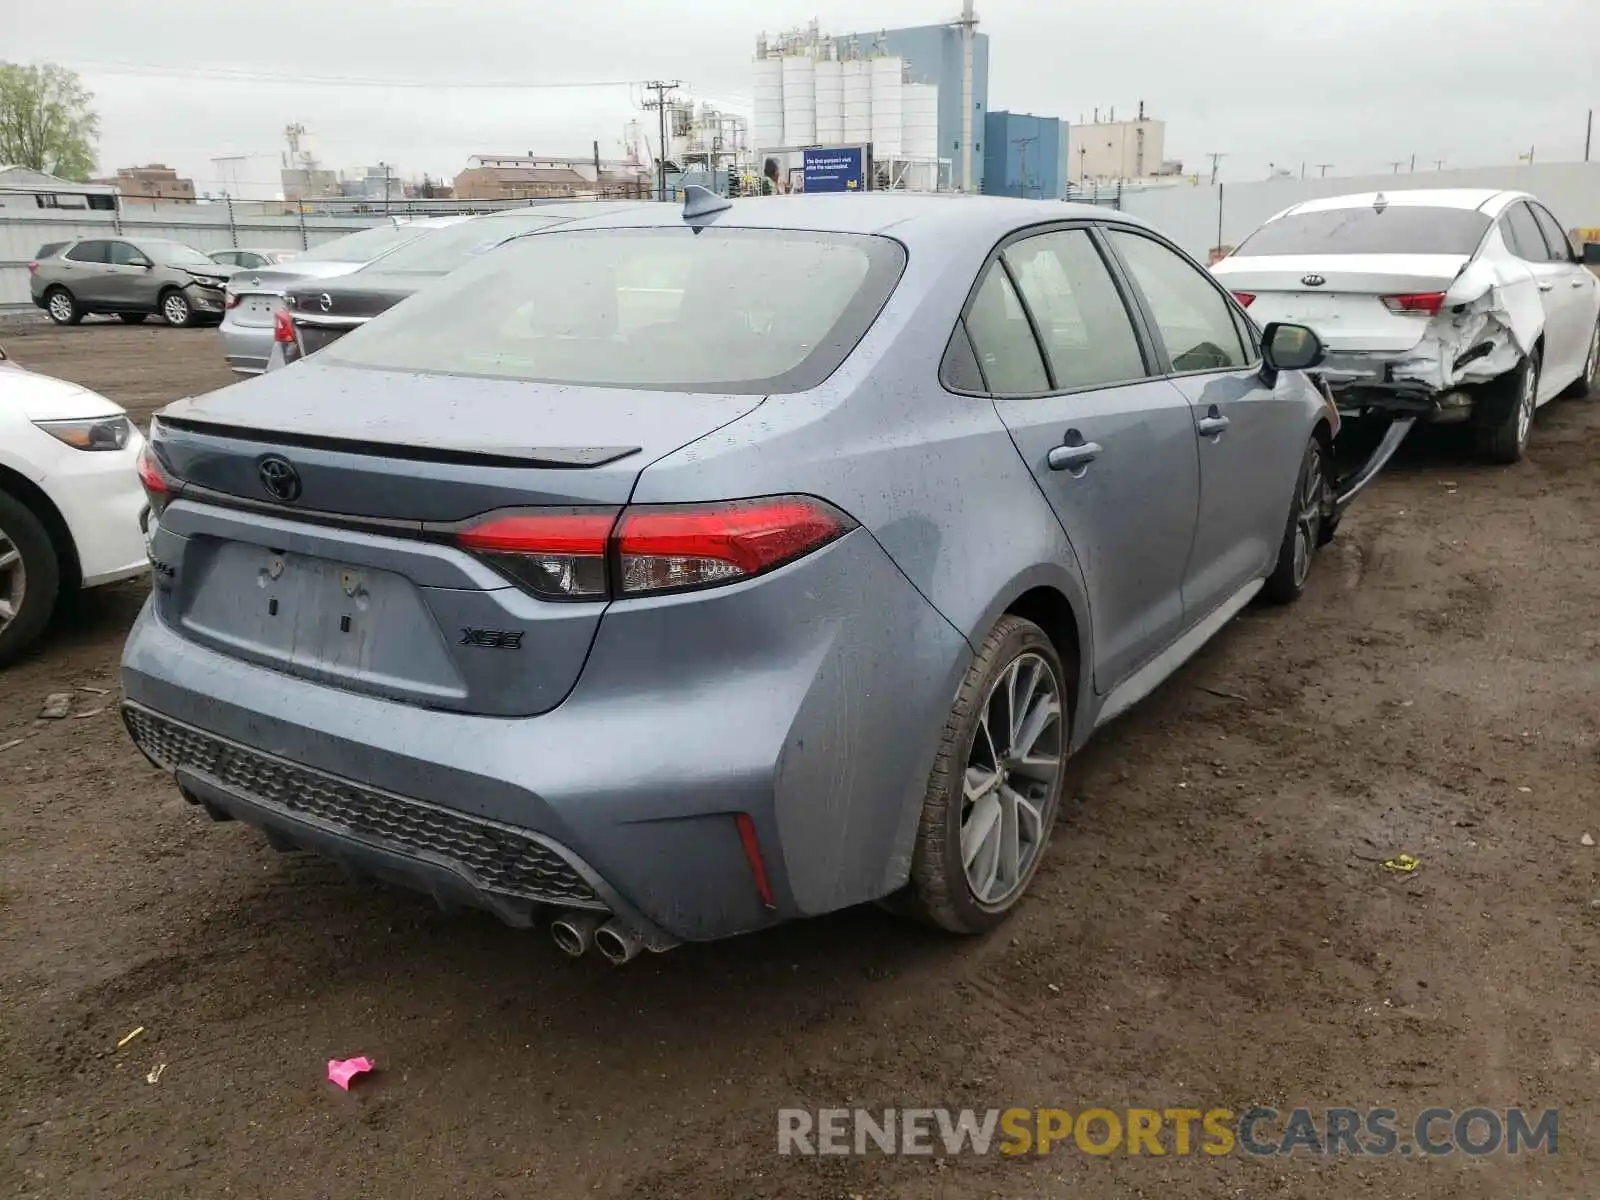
(809,92)
(1107,151)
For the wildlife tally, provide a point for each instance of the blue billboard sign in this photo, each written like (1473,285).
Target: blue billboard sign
(836,169)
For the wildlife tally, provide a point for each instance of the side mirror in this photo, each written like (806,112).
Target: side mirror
(1286,347)
(141,262)
(1591,254)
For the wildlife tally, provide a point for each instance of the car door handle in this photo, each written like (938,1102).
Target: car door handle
(1547,287)
(1073,458)
(1578,283)
(1210,426)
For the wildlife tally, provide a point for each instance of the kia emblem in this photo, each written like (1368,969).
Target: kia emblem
(279,478)
(325,302)
(1313,280)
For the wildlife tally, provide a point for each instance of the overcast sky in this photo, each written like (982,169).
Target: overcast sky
(1355,83)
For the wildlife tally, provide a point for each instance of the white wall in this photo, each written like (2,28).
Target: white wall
(203,226)
(1188,215)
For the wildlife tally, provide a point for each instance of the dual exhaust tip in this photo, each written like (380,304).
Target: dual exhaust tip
(576,933)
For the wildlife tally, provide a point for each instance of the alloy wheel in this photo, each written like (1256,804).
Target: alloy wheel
(1593,361)
(175,309)
(1526,402)
(1308,514)
(60,307)
(1017,753)
(13,580)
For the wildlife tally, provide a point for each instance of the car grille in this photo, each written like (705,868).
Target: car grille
(502,860)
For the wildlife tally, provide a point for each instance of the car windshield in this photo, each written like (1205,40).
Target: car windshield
(175,254)
(443,250)
(367,245)
(747,311)
(1393,229)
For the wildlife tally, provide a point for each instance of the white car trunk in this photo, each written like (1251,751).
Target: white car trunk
(1347,308)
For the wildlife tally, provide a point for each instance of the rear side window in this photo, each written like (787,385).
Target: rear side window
(667,308)
(46,250)
(1522,234)
(1392,229)
(1554,236)
(1189,310)
(1003,338)
(90,252)
(1087,334)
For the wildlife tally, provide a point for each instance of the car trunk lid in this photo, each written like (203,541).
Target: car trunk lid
(323,314)
(1343,296)
(355,580)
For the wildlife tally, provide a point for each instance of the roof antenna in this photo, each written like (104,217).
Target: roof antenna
(702,202)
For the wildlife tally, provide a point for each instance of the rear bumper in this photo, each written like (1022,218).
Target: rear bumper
(246,346)
(820,725)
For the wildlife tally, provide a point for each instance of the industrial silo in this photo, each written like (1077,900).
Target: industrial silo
(830,102)
(888,109)
(857,80)
(766,121)
(799,100)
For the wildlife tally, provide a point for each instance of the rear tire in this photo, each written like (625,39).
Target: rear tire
(176,309)
(62,306)
(132,318)
(995,786)
(1512,400)
(1309,515)
(30,577)
(1584,385)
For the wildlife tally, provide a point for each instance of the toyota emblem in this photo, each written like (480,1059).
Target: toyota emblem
(1313,280)
(279,478)
(325,302)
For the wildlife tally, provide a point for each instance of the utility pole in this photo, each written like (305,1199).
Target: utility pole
(1322,169)
(1413,162)
(1022,163)
(1215,159)
(661,88)
(1588,135)
(1396,164)
(386,169)
(1438,164)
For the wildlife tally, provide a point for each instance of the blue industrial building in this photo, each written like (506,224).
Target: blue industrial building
(1025,155)
(933,55)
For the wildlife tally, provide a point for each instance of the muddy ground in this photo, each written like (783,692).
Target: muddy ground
(1212,927)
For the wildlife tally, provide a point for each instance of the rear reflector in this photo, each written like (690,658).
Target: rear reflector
(33,268)
(282,327)
(1427,303)
(752,855)
(231,299)
(592,554)
(1245,298)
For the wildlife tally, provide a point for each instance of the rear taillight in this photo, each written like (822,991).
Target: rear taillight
(33,268)
(159,485)
(1245,298)
(596,554)
(1427,303)
(230,299)
(282,327)
(559,555)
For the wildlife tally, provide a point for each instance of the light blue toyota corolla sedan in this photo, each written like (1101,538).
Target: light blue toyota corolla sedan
(685,570)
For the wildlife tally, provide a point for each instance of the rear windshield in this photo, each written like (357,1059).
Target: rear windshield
(745,311)
(366,245)
(443,250)
(1394,229)
(175,254)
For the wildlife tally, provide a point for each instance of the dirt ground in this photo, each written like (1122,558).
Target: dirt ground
(1212,927)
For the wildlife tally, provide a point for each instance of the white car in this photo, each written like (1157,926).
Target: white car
(1452,304)
(71,507)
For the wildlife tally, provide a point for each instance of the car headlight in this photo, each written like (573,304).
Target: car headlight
(94,433)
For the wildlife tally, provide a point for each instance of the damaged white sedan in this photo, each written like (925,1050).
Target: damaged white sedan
(1443,304)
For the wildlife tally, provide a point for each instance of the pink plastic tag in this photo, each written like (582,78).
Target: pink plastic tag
(343,1070)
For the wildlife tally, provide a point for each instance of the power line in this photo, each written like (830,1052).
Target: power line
(245,75)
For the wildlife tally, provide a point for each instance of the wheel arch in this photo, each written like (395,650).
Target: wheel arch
(1053,598)
(38,501)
